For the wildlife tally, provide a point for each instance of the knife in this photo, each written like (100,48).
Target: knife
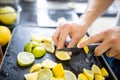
(76,49)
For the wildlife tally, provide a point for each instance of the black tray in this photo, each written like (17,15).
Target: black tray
(10,70)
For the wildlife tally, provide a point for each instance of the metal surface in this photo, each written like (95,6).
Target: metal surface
(10,70)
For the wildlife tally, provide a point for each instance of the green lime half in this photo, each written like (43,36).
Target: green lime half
(25,58)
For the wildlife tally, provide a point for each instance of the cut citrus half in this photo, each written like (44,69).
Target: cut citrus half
(47,63)
(69,75)
(82,76)
(61,55)
(31,76)
(89,74)
(35,68)
(45,74)
(48,47)
(25,58)
(95,69)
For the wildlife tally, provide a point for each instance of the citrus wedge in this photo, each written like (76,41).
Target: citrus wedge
(69,75)
(35,68)
(48,47)
(95,69)
(89,74)
(45,74)
(31,76)
(82,76)
(61,55)
(47,63)
(25,58)
(99,77)
(104,72)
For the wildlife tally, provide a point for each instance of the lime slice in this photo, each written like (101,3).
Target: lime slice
(38,52)
(31,76)
(69,75)
(89,74)
(61,55)
(47,63)
(25,58)
(48,47)
(45,74)
(82,76)
(35,68)
(96,70)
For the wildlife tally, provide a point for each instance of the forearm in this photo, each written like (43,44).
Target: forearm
(94,9)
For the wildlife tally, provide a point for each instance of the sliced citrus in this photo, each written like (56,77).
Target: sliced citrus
(61,55)
(82,76)
(69,75)
(35,68)
(89,74)
(95,69)
(45,74)
(58,71)
(31,76)
(48,47)
(99,77)
(47,63)
(25,58)
(104,72)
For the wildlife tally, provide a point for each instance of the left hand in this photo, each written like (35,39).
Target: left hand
(110,41)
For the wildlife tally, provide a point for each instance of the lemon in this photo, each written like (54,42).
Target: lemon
(25,58)
(48,47)
(86,49)
(58,71)
(35,68)
(89,74)
(104,72)
(45,74)
(99,77)
(82,76)
(47,63)
(38,52)
(69,75)
(5,35)
(31,76)
(61,55)
(95,69)
(54,78)
(8,15)
(40,38)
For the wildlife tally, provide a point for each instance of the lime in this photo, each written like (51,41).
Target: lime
(104,72)
(5,35)
(47,63)
(45,74)
(95,69)
(48,47)
(8,15)
(69,75)
(82,76)
(38,52)
(29,46)
(35,68)
(61,55)
(25,58)
(89,74)
(31,76)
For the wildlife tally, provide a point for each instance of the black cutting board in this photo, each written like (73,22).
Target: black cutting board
(10,70)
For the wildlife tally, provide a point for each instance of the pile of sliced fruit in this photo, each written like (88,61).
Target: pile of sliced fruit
(49,70)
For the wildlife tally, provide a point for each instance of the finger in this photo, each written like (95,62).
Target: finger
(117,56)
(62,39)
(91,39)
(111,53)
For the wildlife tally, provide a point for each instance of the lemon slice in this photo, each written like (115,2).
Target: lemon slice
(31,76)
(104,72)
(89,74)
(58,71)
(95,69)
(99,77)
(82,76)
(69,75)
(61,55)
(54,78)
(47,63)
(25,58)
(35,68)
(48,47)
(45,74)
